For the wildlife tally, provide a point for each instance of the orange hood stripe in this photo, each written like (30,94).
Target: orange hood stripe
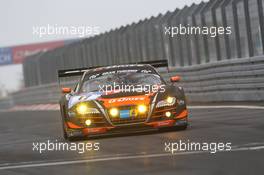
(125,101)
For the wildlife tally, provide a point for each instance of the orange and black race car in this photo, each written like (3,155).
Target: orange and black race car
(121,99)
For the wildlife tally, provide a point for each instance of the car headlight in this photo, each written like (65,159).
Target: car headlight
(167,102)
(84,109)
(114,112)
(88,122)
(142,109)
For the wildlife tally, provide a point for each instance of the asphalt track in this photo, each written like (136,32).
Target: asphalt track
(140,153)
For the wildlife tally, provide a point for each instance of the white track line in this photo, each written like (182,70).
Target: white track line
(55,107)
(155,155)
(230,106)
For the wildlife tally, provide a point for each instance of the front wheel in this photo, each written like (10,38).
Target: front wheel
(182,124)
(182,127)
(65,135)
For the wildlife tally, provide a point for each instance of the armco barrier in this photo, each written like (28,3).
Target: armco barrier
(229,80)
(233,80)
(6,103)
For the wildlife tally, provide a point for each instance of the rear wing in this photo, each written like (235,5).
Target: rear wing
(71,75)
(73,72)
(80,71)
(156,63)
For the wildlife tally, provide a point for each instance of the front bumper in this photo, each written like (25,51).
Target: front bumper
(127,129)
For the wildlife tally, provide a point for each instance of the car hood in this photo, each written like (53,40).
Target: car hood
(112,99)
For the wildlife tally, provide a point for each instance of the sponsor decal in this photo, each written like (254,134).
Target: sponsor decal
(123,66)
(96,75)
(84,97)
(161,123)
(96,130)
(125,101)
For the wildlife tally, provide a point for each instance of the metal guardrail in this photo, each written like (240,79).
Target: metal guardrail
(6,103)
(229,80)
(49,93)
(233,80)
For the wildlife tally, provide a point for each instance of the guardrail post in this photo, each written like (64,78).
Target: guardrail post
(261,22)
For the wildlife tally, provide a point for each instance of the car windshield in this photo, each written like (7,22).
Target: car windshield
(128,78)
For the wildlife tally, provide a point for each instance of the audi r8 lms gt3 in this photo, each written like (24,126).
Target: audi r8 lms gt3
(120,99)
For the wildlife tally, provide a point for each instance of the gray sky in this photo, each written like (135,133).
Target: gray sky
(19,17)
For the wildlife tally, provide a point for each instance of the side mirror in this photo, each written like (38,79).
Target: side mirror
(66,90)
(175,79)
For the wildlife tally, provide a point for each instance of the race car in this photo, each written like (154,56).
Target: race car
(121,99)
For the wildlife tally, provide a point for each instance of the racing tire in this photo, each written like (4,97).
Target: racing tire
(183,127)
(65,135)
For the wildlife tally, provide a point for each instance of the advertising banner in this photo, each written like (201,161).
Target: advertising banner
(5,56)
(20,52)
